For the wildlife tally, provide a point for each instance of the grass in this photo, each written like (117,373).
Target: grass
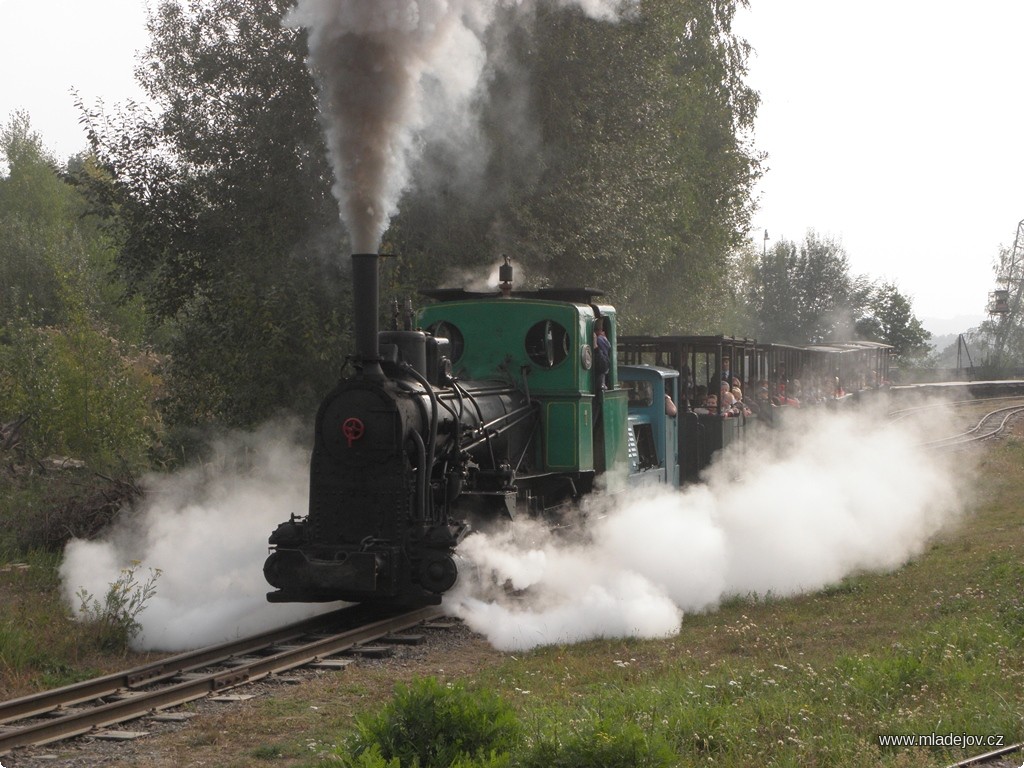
(935,647)
(41,646)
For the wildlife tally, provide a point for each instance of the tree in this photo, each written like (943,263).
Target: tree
(230,232)
(805,295)
(642,177)
(772,295)
(825,289)
(891,320)
(69,347)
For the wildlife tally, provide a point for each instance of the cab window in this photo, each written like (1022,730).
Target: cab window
(641,393)
(547,343)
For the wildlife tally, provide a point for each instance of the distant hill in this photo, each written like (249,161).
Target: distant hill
(948,354)
(944,326)
(939,343)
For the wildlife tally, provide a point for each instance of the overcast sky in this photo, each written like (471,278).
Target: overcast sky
(895,127)
(892,126)
(49,47)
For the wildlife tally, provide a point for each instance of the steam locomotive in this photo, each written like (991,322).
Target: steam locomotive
(486,406)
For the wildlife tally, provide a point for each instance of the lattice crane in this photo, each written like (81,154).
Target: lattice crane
(1004,303)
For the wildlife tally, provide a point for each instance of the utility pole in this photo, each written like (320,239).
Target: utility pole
(961,350)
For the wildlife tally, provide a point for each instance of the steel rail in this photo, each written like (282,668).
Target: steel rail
(88,690)
(988,756)
(139,703)
(971,435)
(914,410)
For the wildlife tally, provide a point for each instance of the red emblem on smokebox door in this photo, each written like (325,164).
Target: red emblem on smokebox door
(353,429)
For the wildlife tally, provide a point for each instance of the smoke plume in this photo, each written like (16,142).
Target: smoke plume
(205,529)
(781,515)
(389,74)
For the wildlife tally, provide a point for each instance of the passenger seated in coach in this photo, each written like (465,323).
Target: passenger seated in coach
(781,396)
(781,375)
(783,399)
(700,396)
(824,388)
(745,408)
(728,405)
(812,392)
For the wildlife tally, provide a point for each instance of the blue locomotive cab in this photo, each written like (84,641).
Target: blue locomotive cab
(653,433)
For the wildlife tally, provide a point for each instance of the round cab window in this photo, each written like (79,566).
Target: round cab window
(445,330)
(547,343)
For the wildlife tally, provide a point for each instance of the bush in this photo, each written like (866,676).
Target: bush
(44,510)
(85,397)
(430,725)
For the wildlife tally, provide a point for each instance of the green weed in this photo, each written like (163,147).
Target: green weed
(114,622)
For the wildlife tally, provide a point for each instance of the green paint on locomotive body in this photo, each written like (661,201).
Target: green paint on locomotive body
(494,342)
(543,347)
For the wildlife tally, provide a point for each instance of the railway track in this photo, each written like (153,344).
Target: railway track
(989,426)
(995,758)
(95,704)
(915,410)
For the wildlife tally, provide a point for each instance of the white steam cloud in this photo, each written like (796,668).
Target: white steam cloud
(390,74)
(788,512)
(784,514)
(481,280)
(206,530)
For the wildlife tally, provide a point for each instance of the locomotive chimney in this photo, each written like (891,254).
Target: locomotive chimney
(364,306)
